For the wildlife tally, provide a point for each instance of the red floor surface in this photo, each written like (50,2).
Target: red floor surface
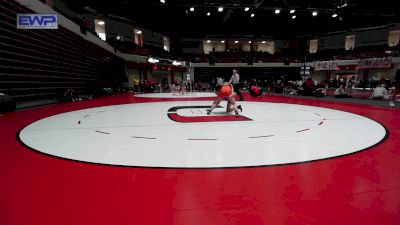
(358,189)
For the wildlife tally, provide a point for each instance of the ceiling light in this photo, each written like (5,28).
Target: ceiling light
(191,9)
(139,32)
(314,13)
(208,41)
(162,1)
(277,11)
(292,11)
(152,60)
(100,23)
(222,41)
(252,15)
(334,15)
(220,9)
(118,37)
(249,42)
(236,42)
(263,42)
(294,17)
(208,14)
(246,9)
(175,63)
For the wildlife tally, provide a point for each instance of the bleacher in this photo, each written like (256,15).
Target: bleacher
(37,65)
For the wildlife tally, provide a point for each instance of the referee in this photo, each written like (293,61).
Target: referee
(235,81)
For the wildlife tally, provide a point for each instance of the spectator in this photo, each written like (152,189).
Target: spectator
(396,90)
(340,93)
(350,85)
(320,90)
(380,92)
(308,87)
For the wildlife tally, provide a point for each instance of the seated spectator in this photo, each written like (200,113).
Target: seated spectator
(308,87)
(380,93)
(340,93)
(278,87)
(350,85)
(320,90)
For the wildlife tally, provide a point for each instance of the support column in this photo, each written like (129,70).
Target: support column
(172,76)
(328,75)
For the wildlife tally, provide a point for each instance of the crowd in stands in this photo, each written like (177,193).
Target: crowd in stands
(129,47)
(342,88)
(240,56)
(380,51)
(374,89)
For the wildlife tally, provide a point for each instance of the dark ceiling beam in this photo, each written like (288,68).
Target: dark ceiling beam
(259,3)
(310,9)
(285,2)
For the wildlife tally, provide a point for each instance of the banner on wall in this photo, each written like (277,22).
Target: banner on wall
(375,63)
(372,63)
(326,65)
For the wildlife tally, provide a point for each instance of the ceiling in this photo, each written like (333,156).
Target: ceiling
(175,18)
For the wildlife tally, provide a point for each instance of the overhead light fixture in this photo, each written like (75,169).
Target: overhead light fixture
(220,9)
(153,60)
(191,9)
(236,42)
(249,42)
(292,11)
(208,14)
(139,32)
(263,42)
(315,13)
(252,15)
(100,23)
(334,15)
(175,63)
(246,9)
(277,11)
(208,41)
(118,37)
(222,41)
(102,36)
(294,17)
(162,1)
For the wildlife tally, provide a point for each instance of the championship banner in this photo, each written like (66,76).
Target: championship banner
(326,65)
(374,63)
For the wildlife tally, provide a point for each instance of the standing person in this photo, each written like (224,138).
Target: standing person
(235,81)
(182,89)
(220,82)
(397,88)
(141,87)
(135,85)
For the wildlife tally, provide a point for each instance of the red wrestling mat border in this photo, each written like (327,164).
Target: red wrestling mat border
(356,189)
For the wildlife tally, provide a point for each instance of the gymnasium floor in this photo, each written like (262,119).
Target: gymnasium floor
(159,159)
